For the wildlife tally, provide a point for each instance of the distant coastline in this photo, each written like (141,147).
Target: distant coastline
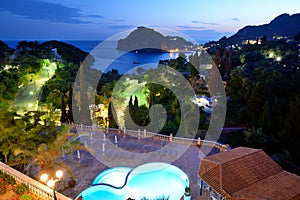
(84,45)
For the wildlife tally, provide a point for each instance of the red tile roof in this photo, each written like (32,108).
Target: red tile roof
(246,173)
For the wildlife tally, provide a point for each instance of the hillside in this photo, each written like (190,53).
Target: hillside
(284,25)
(69,52)
(149,40)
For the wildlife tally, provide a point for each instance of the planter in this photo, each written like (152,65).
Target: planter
(187,193)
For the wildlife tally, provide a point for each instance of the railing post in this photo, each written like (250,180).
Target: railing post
(139,134)
(199,141)
(171,138)
(103,148)
(145,133)
(116,140)
(78,154)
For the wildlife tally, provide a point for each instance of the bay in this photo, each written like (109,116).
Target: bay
(124,62)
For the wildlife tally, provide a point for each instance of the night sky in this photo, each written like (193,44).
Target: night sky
(99,19)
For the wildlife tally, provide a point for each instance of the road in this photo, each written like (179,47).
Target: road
(28,95)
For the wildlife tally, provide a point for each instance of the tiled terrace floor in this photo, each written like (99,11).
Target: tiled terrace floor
(88,167)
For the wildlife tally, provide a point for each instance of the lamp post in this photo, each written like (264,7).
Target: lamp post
(51,181)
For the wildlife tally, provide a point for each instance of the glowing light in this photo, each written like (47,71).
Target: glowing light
(278,59)
(31,93)
(51,183)
(271,55)
(44,177)
(30,105)
(59,174)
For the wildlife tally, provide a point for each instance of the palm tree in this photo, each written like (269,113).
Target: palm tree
(48,157)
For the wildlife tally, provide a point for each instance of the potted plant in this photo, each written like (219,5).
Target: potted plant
(187,193)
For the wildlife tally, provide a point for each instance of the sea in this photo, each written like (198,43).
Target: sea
(107,57)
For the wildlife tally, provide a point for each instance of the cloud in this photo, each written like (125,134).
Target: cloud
(235,19)
(121,26)
(205,35)
(191,27)
(120,20)
(41,10)
(94,16)
(206,23)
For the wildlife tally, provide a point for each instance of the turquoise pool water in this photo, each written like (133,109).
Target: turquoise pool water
(149,180)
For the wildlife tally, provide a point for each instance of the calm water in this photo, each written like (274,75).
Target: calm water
(108,58)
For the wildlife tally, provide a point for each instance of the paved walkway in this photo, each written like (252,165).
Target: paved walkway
(28,95)
(128,152)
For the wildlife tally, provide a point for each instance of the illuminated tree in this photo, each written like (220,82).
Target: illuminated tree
(111,116)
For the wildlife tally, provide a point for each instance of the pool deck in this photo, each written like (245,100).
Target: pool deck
(87,167)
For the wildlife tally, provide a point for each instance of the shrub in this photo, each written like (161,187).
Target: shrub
(26,196)
(7,178)
(3,188)
(22,189)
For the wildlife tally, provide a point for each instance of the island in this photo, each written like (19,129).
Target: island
(145,39)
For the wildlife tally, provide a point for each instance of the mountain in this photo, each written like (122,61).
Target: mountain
(69,52)
(284,25)
(149,40)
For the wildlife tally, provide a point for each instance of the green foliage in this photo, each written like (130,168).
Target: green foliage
(264,97)
(8,178)
(254,56)
(5,180)
(3,188)
(68,52)
(25,197)
(297,37)
(254,138)
(22,189)
(111,116)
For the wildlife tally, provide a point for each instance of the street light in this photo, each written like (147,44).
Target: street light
(51,182)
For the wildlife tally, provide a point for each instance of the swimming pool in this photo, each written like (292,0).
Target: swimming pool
(150,180)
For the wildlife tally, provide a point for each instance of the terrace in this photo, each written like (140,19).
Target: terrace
(113,148)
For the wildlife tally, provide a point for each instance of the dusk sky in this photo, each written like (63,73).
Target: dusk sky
(99,19)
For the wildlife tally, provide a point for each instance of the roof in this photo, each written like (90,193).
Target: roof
(246,173)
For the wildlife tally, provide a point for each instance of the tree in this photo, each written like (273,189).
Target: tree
(195,65)
(135,112)
(70,105)
(111,116)
(64,117)
(48,156)
(297,37)
(128,116)
(290,132)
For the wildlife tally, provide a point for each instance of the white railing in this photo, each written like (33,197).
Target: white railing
(145,134)
(35,187)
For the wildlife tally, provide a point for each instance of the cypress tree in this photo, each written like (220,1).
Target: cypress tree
(130,106)
(63,118)
(135,113)
(195,65)
(111,116)
(70,111)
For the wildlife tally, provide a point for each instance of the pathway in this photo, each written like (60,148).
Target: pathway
(28,95)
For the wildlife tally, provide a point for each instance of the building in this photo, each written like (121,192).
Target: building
(245,173)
